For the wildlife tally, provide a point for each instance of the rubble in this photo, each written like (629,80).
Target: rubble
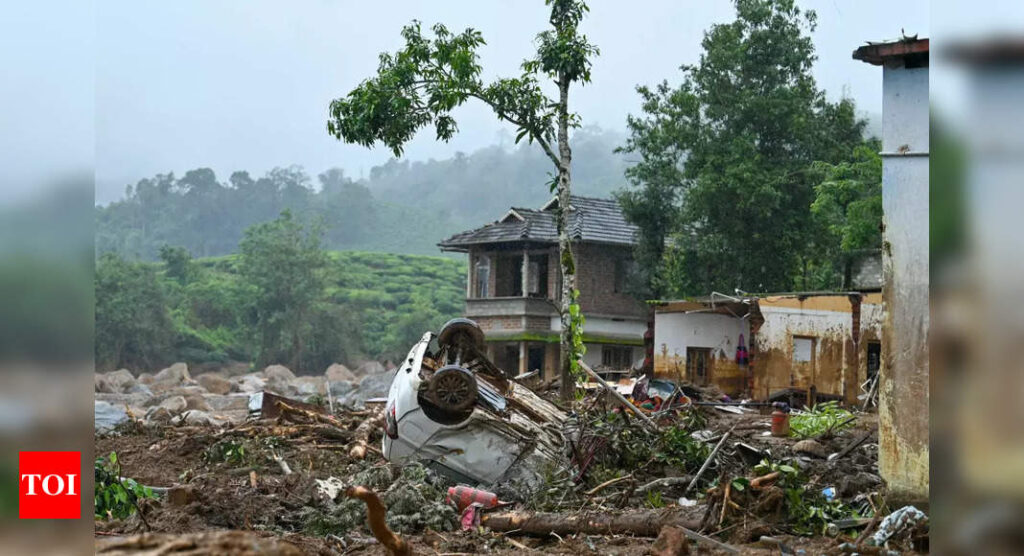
(684,478)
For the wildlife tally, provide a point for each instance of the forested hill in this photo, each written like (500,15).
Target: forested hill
(402,207)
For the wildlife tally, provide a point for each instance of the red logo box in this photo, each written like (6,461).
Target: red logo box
(49,485)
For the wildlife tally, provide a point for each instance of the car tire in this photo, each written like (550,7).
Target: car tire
(461,331)
(453,389)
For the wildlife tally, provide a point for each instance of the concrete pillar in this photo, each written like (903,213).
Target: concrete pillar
(523,358)
(526,273)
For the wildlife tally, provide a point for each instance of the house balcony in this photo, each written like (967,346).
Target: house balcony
(510,307)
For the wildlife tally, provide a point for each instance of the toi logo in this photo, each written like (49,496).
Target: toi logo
(50,485)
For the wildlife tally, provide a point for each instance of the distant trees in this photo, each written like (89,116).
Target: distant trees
(401,206)
(133,326)
(727,170)
(284,263)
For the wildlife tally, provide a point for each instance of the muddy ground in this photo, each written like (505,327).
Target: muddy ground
(228,492)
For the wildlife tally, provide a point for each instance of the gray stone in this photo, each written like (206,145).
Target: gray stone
(107,415)
(278,372)
(175,374)
(158,415)
(342,388)
(857,483)
(199,418)
(116,382)
(338,372)
(146,378)
(306,386)
(370,368)
(376,385)
(214,384)
(174,404)
(248,384)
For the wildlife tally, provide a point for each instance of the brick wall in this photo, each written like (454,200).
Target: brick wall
(595,276)
(492,324)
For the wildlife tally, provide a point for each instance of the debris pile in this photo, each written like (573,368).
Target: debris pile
(425,470)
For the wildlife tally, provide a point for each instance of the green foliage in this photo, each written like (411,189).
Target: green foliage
(284,263)
(177,263)
(133,326)
(116,498)
(630,447)
(231,452)
(373,305)
(733,144)
(808,511)
(576,322)
(826,417)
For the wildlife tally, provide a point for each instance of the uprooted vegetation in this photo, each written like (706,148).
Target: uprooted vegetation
(265,476)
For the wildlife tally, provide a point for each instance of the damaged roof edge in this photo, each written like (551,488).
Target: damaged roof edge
(879,53)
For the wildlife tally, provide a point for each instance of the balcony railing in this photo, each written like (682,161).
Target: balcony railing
(509,306)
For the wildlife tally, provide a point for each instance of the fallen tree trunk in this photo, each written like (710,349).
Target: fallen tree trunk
(647,523)
(361,439)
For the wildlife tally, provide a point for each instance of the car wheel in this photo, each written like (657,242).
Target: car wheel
(453,388)
(461,332)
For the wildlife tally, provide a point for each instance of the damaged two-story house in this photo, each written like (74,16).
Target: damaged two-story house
(513,286)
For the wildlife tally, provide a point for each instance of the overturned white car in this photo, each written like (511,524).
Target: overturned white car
(452,409)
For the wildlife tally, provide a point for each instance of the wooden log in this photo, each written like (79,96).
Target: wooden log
(646,523)
(377,516)
(707,462)
(615,393)
(361,438)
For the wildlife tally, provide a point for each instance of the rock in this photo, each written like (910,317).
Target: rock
(670,542)
(857,483)
(278,372)
(370,368)
(811,447)
(141,389)
(307,386)
(107,415)
(230,402)
(338,372)
(146,378)
(248,384)
(181,495)
(376,386)
(342,388)
(175,374)
(196,402)
(199,418)
(158,415)
(214,384)
(116,382)
(174,404)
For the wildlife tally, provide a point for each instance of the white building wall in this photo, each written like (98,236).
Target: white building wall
(674,332)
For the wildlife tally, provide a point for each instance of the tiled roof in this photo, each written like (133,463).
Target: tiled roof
(591,220)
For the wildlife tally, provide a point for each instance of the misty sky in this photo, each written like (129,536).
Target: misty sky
(245,84)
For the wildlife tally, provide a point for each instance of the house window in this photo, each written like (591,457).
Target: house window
(483,275)
(615,357)
(698,364)
(803,349)
(625,269)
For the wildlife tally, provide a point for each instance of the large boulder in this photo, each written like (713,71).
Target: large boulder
(174,404)
(146,378)
(338,372)
(280,380)
(342,388)
(214,383)
(176,373)
(120,381)
(278,372)
(107,415)
(308,386)
(248,384)
(370,368)
(372,386)
(199,418)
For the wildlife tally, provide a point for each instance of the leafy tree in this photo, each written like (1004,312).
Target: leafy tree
(133,327)
(847,212)
(178,263)
(423,82)
(734,142)
(284,263)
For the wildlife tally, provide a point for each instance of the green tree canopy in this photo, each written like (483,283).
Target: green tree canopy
(283,261)
(133,327)
(734,142)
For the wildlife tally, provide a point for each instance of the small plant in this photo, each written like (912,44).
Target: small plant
(232,452)
(654,499)
(823,418)
(808,511)
(116,498)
